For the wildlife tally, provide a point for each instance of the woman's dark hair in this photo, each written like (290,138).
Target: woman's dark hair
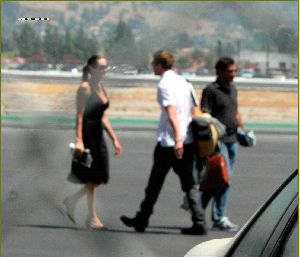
(165,58)
(223,63)
(92,62)
(85,73)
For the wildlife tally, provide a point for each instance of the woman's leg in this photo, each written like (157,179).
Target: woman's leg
(71,201)
(93,220)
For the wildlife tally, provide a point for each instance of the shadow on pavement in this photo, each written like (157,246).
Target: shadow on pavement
(160,230)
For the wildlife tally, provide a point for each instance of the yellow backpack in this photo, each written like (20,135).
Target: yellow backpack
(205,133)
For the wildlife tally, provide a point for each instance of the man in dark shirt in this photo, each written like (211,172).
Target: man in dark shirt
(219,99)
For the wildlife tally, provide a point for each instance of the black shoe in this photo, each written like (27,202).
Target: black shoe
(139,226)
(195,230)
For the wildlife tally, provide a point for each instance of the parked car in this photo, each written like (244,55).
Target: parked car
(271,231)
(248,74)
(34,66)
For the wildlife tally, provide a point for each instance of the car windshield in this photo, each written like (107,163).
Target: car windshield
(259,234)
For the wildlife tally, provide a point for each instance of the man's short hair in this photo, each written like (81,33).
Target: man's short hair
(165,58)
(223,63)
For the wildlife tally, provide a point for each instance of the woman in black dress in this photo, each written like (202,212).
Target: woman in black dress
(91,120)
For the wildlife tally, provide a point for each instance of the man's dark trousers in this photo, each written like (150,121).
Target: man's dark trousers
(164,160)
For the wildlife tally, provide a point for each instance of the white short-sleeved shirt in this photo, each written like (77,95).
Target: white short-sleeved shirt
(174,90)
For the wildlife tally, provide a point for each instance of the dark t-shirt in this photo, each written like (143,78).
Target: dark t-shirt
(222,104)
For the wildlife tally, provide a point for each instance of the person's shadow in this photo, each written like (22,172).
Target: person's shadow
(160,230)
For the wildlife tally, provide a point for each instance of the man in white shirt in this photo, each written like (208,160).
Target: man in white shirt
(175,147)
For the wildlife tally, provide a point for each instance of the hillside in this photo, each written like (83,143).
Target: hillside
(229,20)
(196,32)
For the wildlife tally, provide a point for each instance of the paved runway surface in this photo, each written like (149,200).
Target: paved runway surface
(35,164)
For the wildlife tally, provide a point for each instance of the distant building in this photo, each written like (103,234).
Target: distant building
(12,63)
(269,63)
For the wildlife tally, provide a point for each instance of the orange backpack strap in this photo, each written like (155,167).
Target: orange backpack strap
(196,111)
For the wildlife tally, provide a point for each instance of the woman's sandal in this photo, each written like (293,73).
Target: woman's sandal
(92,225)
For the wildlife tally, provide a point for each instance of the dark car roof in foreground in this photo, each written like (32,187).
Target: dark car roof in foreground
(240,235)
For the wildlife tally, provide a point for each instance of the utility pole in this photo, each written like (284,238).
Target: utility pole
(219,49)
(267,60)
(239,44)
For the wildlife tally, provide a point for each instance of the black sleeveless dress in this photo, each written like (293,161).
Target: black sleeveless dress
(93,139)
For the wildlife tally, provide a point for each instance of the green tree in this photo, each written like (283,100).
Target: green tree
(27,41)
(183,62)
(84,45)
(53,44)
(68,44)
(72,23)
(184,40)
(142,56)
(229,50)
(286,40)
(210,61)
(61,20)
(79,39)
(6,45)
(107,30)
(121,47)
(91,46)
(197,55)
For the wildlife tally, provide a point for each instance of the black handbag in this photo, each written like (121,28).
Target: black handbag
(80,167)
(246,138)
